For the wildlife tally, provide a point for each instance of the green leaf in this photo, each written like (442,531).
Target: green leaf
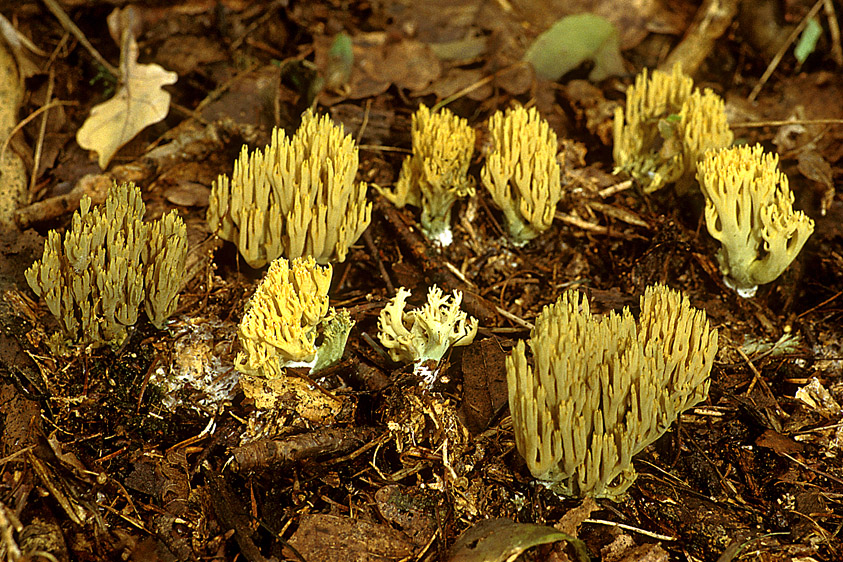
(808,40)
(502,540)
(340,62)
(571,41)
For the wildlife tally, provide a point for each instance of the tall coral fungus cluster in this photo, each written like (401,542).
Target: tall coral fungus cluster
(297,197)
(522,173)
(670,132)
(108,265)
(602,389)
(436,175)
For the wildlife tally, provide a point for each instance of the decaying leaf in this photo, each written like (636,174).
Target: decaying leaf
(375,63)
(332,538)
(138,103)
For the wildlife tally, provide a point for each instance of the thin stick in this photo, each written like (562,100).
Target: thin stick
(71,27)
(834,31)
(630,528)
(613,189)
(472,87)
(381,148)
(370,244)
(42,132)
(580,223)
(781,123)
(822,304)
(29,118)
(778,58)
(518,320)
(365,123)
(814,470)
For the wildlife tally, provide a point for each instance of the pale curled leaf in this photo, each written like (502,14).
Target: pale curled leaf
(138,103)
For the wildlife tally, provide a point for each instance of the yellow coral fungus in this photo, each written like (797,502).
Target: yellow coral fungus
(436,174)
(295,198)
(667,128)
(522,173)
(426,333)
(603,388)
(109,263)
(280,324)
(165,255)
(283,321)
(749,210)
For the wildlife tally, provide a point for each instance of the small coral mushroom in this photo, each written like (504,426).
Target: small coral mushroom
(436,174)
(603,388)
(280,329)
(295,198)
(424,334)
(281,323)
(522,173)
(749,210)
(667,128)
(110,263)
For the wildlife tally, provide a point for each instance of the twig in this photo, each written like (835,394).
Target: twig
(370,444)
(367,238)
(222,88)
(42,131)
(834,31)
(381,148)
(779,55)
(365,123)
(54,207)
(710,22)
(814,470)
(269,453)
(72,28)
(581,224)
(478,84)
(460,275)
(757,378)
(206,431)
(783,122)
(613,189)
(518,320)
(735,547)
(29,118)
(819,429)
(596,228)
(630,528)
(619,213)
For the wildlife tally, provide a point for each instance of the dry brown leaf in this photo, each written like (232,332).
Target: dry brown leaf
(332,538)
(380,62)
(138,103)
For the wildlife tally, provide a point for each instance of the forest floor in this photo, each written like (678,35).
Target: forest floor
(151,451)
